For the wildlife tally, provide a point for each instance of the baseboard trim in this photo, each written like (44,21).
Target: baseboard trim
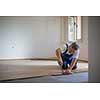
(83,60)
(29,59)
(51,58)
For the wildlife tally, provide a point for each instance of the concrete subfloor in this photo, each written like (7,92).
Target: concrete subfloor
(74,78)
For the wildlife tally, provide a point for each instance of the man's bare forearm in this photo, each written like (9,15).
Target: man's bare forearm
(59,58)
(72,63)
(58,53)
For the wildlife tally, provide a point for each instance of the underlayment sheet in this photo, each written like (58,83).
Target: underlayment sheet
(29,68)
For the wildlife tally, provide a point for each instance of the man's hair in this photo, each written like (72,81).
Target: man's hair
(75,46)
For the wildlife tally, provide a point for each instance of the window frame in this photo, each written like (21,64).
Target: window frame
(75,18)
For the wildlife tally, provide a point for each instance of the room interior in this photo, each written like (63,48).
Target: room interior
(28,44)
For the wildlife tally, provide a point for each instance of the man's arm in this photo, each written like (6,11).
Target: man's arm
(75,57)
(58,54)
(68,71)
(72,63)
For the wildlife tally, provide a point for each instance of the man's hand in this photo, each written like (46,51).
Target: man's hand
(60,62)
(68,71)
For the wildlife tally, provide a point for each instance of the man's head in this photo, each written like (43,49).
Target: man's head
(73,47)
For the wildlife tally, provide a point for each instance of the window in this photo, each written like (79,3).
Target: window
(74,28)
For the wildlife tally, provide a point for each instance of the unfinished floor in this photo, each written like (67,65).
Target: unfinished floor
(39,71)
(75,78)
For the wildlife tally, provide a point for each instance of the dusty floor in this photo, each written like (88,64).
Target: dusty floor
(17,69)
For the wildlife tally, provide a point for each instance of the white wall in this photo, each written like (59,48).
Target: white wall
(84,42)
(36,37)
(26,37)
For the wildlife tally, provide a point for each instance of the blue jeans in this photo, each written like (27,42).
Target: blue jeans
(67,59)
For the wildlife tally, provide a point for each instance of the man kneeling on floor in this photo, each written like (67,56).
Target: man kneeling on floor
(67,57)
